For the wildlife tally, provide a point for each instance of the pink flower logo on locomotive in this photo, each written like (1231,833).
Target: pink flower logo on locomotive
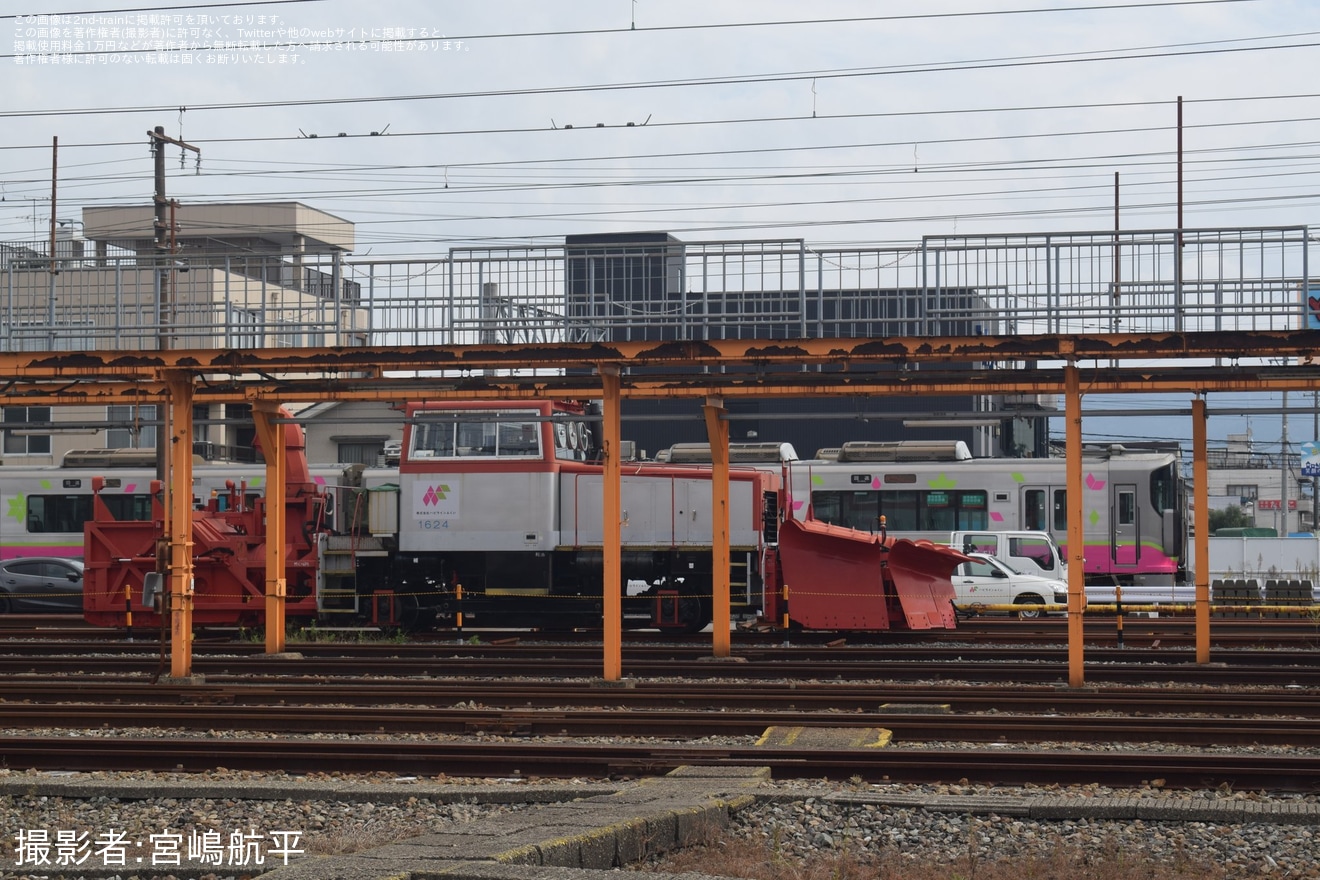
(435,500)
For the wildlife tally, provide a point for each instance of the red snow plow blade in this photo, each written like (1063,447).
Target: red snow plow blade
(861,581)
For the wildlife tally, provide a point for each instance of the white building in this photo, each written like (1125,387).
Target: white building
(1239,475)
(251,275)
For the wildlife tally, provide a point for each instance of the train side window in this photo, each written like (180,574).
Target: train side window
(972,510)
(827,507)
(1033,510)
(127,508)
(862,510)
(1127,508)
(939,511)
(36,514)
(58,513)
(900,510)
(1060,510)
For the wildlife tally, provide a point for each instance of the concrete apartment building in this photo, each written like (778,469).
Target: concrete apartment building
(233,275)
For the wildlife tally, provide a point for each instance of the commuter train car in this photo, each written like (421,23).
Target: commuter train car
(43,509)
(1134,502)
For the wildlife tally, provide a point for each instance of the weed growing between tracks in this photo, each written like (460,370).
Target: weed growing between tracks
(727,855)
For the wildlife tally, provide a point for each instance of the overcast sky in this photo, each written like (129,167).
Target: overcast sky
(858,122)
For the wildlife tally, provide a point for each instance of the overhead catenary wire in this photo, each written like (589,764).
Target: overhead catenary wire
(512,196)
(1129,54)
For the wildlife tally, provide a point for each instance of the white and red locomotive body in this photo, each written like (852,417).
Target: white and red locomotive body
(495,511)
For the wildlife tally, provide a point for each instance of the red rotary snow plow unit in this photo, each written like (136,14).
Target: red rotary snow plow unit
(229,552)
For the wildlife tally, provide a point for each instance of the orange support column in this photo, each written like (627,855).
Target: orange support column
(1076,535)
(717,432)
(1201,530)
(264,413)
(179,525)
(611,538)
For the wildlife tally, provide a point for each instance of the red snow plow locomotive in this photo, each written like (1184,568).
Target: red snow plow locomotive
(492,518)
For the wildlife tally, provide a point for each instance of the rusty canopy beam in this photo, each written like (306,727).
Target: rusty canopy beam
(373,361)
(1146,380)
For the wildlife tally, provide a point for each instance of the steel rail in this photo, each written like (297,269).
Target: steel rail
(770,655)
(504,759)
(1169,667)
(1100,631)
(904,727)
(836,697)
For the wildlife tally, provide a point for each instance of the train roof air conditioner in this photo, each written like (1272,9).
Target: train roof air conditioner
(742,453)
(905,450)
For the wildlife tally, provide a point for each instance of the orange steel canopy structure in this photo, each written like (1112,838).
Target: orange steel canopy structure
(646,316)
(267,378)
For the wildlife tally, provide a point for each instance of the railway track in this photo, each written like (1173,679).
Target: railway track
(504,759)
(513,648)
(1101,630)
(922,726)
(818,697)
(462,708)
(1252,668)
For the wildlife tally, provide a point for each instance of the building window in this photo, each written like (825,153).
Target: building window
(368,452)
(1245,491)
(20,440)
(130,432)
(244,328)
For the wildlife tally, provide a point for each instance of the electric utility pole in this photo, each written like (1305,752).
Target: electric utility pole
(164,275)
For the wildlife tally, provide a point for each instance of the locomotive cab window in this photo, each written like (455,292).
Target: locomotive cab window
(484,434)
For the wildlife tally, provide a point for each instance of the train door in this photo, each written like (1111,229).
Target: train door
(1045,509)
(1124,529)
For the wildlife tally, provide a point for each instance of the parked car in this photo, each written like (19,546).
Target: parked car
(41,585)
(986,580)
